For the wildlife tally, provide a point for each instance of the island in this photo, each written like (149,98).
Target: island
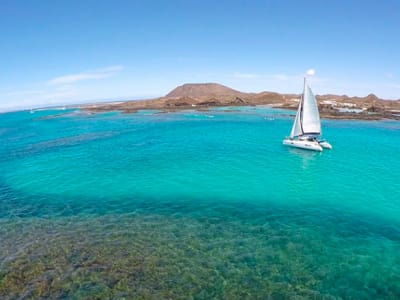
(202,96)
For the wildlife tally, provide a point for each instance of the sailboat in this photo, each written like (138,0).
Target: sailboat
(306,130)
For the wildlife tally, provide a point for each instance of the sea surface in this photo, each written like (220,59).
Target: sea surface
(196,205)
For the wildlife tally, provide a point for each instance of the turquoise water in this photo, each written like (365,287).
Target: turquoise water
(196,205)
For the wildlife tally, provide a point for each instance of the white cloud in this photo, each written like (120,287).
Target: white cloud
(94,74)
(281,77)
(389,75)
(394,85)
(245,75)
(310,72)
(24,92)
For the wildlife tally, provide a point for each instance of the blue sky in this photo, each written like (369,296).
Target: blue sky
(55,52)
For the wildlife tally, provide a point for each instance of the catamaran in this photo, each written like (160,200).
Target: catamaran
(306,130)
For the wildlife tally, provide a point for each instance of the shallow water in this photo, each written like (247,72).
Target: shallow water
(196,204)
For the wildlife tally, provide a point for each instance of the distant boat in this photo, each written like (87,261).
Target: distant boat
(306,130)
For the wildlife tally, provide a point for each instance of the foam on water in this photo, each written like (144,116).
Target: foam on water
(196,204)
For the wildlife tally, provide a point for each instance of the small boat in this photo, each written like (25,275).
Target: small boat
(306,130)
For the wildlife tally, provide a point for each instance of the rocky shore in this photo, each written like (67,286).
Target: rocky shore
(204,96)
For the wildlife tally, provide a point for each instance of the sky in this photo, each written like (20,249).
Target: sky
(76,51)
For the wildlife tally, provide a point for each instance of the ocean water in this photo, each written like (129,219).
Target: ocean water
(196,205)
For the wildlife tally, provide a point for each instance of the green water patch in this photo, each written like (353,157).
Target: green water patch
(157,256)
(183,248)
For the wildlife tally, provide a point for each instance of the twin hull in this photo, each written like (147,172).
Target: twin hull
(303,144)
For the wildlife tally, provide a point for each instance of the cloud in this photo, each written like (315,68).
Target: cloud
(24,92)
(245,75)
(94,74)
(310,72)
(389,75)
(394,85)
(280,77)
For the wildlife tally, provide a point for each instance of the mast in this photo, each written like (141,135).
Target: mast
(302,104)
(297,128)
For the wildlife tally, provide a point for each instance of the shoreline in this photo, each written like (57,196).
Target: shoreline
(203,96)
(135,106)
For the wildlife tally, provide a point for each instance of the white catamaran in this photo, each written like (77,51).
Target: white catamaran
(306,130)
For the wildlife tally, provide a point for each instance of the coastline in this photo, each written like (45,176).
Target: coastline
(165,105)
(203,96)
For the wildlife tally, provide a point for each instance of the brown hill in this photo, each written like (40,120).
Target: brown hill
(197,90)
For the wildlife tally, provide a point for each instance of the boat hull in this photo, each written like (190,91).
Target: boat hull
(325,144)
(303,144)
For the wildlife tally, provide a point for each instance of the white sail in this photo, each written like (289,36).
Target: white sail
(296,129)
(310,115)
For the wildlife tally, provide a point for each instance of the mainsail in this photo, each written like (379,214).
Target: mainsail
(309,115)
